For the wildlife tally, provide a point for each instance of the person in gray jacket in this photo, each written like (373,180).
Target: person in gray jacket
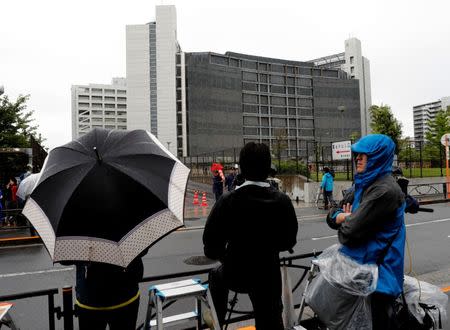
(370,223)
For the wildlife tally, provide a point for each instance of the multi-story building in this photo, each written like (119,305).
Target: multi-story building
(203,102)
(99,105)
(423,113)
(236,98)
(151,78)
(357,67)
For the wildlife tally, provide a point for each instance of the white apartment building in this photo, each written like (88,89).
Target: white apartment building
(357,67)
(99,105)
(152,51)
(424,112)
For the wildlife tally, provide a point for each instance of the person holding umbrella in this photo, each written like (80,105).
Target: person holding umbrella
(77,207)
(218,180)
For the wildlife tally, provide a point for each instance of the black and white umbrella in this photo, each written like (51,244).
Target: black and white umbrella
(107,196)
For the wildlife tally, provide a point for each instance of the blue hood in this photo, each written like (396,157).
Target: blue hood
(379,149)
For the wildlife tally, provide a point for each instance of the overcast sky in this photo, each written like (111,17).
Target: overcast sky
(47,46)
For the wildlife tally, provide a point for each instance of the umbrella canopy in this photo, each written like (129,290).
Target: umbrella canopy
(107,196)
(216,167)
(27,185)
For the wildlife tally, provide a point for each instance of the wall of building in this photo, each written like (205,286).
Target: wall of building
(166,49)
(138,73)
(214,107)
(99,105)
(336,109)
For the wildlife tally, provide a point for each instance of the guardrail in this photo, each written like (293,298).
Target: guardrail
(67,311)
(423,191)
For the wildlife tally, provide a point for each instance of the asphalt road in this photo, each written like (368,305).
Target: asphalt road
(24,269)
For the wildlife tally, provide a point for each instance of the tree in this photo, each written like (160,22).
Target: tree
(16,123)
(438,126)
(384,122)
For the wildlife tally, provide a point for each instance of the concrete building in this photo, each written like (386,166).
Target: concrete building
(99,105)
(425,112)
(236,98)
(202,102)
(151,77)
(357,67)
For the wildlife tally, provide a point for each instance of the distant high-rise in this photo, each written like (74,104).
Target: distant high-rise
(99,105)
(357,67)
(426,112)
(151,78)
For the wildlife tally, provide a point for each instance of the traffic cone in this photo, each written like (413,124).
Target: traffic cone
(195,202)
(204,201)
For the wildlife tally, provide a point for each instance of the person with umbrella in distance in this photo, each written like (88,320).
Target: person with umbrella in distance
(218,180)
(101,201)
(246,230)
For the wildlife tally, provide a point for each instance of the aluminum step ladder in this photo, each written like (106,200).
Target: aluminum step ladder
(164,293)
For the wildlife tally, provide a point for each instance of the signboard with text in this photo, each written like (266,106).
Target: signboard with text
(341,150)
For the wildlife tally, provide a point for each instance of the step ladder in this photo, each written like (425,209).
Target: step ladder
(164,293)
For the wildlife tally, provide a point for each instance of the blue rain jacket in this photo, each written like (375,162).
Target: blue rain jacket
(377,218)
(327,182)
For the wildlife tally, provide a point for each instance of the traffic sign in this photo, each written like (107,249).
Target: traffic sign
(445,139)
(341,150)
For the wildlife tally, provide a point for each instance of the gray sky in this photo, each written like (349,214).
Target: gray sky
(46,46)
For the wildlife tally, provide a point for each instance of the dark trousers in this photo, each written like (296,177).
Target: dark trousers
(382,311)
(118,319)
(266,301)
(327,198)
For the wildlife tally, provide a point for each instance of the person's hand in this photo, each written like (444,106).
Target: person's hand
(347,208)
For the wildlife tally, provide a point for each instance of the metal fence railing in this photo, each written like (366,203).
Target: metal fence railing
(416,158)
(67,312)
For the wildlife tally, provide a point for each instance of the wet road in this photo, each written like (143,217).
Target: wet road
(24,269)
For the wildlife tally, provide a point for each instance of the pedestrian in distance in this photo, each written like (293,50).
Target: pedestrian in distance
(230,178)
(246,230)
(218,181)
(370,223)
(327,187)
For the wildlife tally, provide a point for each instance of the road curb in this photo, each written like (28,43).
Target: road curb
(24,240)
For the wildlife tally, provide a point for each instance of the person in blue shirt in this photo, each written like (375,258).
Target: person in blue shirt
(327,187)
(370,223)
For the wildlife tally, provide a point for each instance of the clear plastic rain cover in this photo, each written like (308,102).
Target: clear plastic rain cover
(339,294)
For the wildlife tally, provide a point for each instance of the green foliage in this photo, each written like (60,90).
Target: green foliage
(16,123)
(290,167)
(438,126)
(384,122)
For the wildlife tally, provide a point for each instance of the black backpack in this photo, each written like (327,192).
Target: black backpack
(405,320)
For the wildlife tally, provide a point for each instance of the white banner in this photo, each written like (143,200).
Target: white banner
(341,150)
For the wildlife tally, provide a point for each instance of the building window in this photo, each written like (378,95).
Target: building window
(352,69)
(351,59)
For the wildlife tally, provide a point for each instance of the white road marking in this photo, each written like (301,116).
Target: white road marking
(408,225)
(67,269)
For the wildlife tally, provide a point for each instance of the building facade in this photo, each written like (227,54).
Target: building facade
(423,113)
(357,67)
(151,77)
(99,105)
(235,98)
